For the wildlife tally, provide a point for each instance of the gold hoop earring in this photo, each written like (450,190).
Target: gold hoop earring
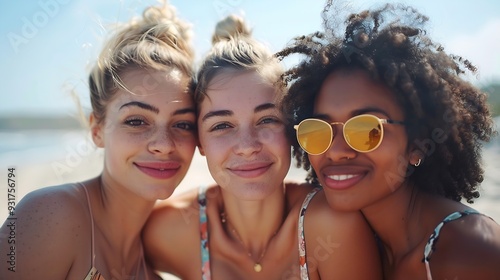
(418,162)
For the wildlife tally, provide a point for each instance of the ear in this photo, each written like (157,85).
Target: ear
(416,156)
(97,131)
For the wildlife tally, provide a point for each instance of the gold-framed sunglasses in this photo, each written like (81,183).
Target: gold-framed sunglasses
(363,133)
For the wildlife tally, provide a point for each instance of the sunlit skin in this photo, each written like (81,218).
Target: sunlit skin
(149,136)
(242,135)
(402,216)
(354,180)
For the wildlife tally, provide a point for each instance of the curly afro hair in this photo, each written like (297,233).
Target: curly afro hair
(391,45)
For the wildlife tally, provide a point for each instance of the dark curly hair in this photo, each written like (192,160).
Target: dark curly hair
(391,45)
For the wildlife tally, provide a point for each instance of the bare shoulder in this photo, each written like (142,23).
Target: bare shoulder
(171,235)
(296,192)
(335,240)
(51,219)
(468,247)
(181,210)
(321,220)
(50,209)
(65,197)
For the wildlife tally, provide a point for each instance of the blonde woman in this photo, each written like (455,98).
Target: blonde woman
(145,120)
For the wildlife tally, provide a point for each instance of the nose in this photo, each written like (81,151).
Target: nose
(161,142)
(247,142)
(339,149)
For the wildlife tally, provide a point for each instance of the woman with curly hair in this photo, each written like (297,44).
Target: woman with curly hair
(390,127)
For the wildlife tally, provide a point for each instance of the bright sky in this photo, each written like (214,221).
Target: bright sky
(47,46)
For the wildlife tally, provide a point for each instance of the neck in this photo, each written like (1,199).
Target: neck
(396,221)
(119,214)
(253,223)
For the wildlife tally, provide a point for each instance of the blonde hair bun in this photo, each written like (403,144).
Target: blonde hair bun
(167,15)
(230,27)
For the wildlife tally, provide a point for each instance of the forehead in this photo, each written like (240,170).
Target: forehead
(149,82)
(230,88)
(344,92)
(154,87)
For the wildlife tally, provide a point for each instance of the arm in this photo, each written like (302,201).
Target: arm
(171,237)
(40,239)
(340,245)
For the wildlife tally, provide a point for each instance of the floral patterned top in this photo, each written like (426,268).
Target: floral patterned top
(304,273)
(205,254)
(431,244)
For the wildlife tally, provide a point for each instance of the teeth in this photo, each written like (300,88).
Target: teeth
(341,177)
(162,169)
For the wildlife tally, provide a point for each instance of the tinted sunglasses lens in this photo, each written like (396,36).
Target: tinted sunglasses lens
(363,133)
(314,136)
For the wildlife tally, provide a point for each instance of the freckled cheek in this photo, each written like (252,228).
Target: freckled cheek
(124,139)
(273,136)
(267,135)
(138,138)
(216,152)
(214,147)
(185,142)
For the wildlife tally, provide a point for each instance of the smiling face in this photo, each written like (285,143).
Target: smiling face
(149,136)
(242,135)
(354,180)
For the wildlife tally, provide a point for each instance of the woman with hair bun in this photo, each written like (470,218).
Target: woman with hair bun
(144,118)
(251,224)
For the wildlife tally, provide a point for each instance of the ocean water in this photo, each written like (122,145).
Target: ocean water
(18,147)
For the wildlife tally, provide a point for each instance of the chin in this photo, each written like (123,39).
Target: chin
(339,203)
(160,192)
(253,192)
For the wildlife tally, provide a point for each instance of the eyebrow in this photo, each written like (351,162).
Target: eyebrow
(219,113)
(141,105)
(225,113)
(264,107)
(156,110)
(185,111)
(355,112)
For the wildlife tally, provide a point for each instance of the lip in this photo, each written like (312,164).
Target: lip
(342,177)
(250,170)
(159,169)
